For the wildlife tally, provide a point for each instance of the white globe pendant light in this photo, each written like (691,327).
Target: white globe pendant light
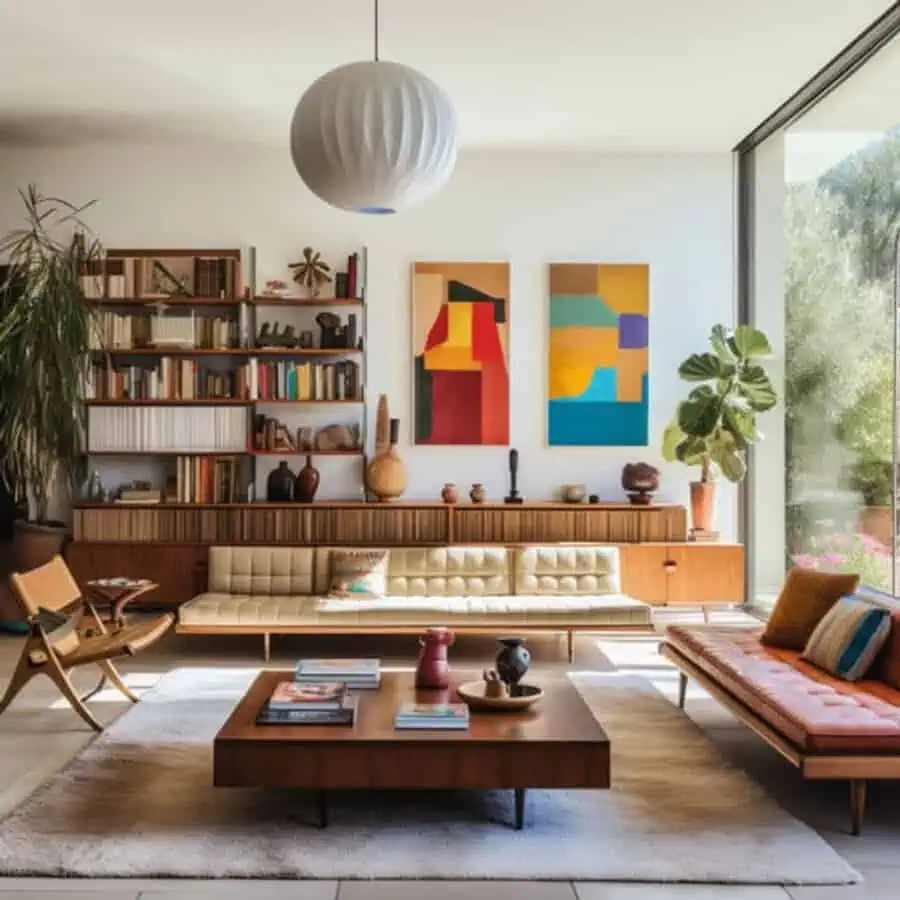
(373,136)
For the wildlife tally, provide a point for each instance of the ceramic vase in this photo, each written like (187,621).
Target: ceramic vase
(433,669)
(477,494)
(703,501)
(450,493)
(280,484)
(307,483)
(386,474)
(512,662)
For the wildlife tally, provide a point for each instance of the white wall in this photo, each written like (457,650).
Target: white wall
(673,212)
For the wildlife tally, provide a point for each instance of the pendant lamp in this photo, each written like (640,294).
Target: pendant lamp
(373,136)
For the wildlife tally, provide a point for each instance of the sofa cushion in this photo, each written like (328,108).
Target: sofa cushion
(849,637)
(358,572)
(805,598)
(553,570)
(260,570)
(814,710)
(887,664)
(234,611)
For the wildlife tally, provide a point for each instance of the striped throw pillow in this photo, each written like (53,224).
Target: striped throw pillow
(847,640)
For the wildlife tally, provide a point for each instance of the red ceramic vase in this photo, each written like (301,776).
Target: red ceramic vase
(433,669)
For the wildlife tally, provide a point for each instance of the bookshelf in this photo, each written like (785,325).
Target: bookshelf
(185,405)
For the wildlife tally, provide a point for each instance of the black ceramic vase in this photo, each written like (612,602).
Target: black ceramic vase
(280,484)
(512,662)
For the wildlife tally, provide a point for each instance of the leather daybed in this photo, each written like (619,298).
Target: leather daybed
(827,727)
(281,590)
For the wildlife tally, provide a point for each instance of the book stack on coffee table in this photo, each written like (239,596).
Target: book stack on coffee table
(323,703)
(432,717)
(357,674)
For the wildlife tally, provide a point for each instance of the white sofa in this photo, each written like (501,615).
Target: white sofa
(272,590)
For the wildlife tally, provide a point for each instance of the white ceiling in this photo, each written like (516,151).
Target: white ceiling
(575,74)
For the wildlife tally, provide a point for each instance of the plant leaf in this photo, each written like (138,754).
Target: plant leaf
(703,367)
(740,425)
(672,437)
(718,340)
(691,451)
(756,387)
(730,461)
(747,342)
(698,416)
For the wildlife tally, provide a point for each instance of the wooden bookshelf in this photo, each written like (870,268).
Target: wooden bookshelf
(228,311)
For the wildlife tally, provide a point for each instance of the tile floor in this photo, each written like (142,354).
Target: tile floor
(39,734)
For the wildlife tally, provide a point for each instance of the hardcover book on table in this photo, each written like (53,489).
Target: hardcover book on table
(345,714)
(432,716)
(355,673)
(319,695)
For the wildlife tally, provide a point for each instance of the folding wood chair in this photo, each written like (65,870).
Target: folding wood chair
(52,587)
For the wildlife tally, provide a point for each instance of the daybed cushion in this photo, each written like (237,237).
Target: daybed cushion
(814,710)
(230,610)
(260,570)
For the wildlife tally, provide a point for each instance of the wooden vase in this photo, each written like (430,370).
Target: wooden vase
(703,501)
(386,474)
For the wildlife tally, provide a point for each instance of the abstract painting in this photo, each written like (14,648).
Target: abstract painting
(461,349)
(598,374)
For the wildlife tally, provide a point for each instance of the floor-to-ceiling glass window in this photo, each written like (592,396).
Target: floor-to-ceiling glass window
(825,200)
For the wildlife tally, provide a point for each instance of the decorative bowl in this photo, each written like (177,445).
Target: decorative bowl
(574,493)
(473,695)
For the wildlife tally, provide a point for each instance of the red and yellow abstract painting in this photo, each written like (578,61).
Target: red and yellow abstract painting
(461,350)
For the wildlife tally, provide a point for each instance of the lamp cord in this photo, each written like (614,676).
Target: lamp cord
(376,30)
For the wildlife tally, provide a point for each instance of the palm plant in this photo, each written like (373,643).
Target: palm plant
(45,329)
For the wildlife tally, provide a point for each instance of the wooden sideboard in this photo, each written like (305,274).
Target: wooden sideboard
(170,542)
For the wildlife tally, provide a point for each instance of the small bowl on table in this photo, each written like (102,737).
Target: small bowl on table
(474,695)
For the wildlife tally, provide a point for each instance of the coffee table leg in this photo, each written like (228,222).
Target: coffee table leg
(323,809)
(520,808)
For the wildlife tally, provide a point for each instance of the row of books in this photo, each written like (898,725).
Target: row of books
(205,479)
(288,380)
(160,277)
(169,379)
(189,430)
(348,284)
(124,331)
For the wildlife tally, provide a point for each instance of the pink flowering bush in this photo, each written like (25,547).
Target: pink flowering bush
(860,554)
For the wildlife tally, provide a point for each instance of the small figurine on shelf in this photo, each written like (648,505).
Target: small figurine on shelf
(478,493)
(513,496)
(332,336)
(640,480)
(270,336)
(311,272)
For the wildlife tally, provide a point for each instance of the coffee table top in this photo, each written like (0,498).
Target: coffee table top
(561,715)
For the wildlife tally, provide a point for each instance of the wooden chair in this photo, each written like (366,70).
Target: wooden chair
(52,587)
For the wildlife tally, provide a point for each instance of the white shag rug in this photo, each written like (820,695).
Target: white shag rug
(139,802)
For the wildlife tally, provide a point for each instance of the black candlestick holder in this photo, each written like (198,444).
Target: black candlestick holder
(513,496)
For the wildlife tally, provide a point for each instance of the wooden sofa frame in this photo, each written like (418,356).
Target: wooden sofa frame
(267,632)
(856,768)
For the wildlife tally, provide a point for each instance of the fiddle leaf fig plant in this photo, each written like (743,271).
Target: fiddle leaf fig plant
(715,424)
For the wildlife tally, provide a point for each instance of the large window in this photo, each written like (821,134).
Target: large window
(825,219)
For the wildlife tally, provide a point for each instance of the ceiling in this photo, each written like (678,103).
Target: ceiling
(694,75)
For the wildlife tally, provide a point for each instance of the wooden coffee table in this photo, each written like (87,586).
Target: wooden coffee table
(558,744)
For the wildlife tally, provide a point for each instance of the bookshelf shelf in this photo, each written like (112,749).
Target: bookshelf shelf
(357,452)
(259,402)
(167,301)
(232,351)
(305,301)
(199,401)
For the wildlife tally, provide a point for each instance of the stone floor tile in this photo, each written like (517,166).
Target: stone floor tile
(880,884)
(456,890)
(643,891)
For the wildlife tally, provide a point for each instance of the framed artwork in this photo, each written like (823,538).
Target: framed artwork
(461,353)
(599,379)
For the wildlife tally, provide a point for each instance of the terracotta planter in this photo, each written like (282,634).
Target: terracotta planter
(703,502)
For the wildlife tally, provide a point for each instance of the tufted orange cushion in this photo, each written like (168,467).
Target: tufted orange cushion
(805,598)
(814,710)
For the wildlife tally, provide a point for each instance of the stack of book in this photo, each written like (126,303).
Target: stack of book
(432,717)
(356,674)
(324,703)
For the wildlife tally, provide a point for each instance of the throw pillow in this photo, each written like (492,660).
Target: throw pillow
(847,640)
(358,573)
(805,598)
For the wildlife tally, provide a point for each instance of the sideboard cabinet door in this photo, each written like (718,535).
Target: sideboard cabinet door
(643,568)
(702,574)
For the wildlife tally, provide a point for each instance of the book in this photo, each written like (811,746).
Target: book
(325,695)
(346,715)
(355,673)
(432,716)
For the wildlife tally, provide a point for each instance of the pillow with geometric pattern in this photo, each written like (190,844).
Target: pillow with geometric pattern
(847,640)
(358,573)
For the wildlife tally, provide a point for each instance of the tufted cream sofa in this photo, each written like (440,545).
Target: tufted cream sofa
(266,590)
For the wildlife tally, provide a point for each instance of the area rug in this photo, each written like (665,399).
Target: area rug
(139,801)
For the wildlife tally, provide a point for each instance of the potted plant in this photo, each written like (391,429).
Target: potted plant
(716,424)
(45,330)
